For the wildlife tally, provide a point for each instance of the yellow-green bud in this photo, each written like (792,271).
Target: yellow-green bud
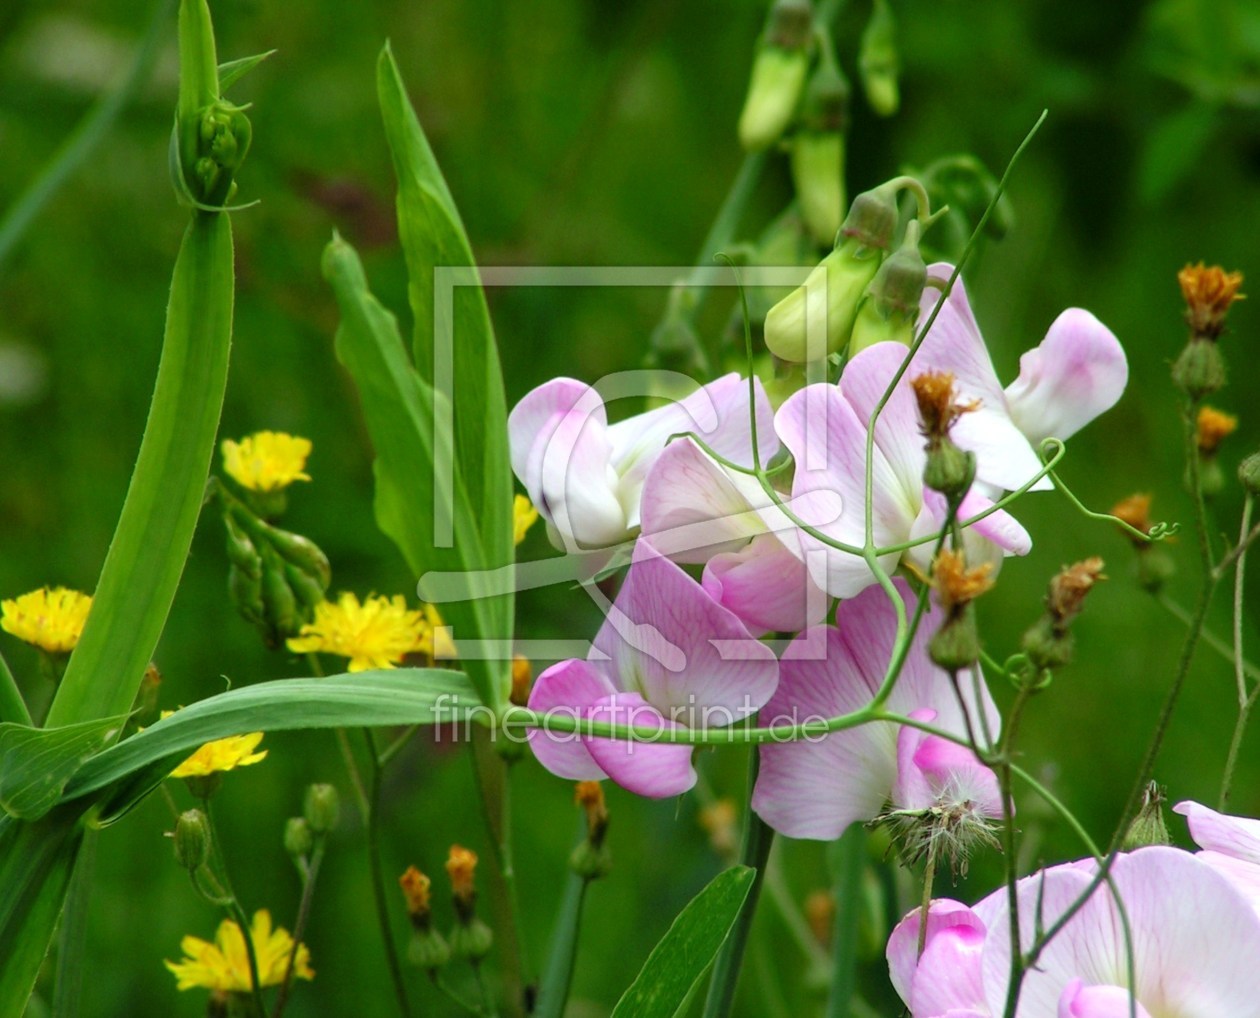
(591,861)
(817,317)
(1148,827)
(322,808)
(778,75)
(818,176)
(877,61)
(1200,370)
(298,840)
(280,611)
(891,309)
(1249,474)
(192,839)
(428,950)
(471,939)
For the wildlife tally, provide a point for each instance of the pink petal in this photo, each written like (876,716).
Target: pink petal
(817,786)
(933,771)
(534,418)
(987,540)
(945,917)
(567,690)
(1243,876)
(1233,836)
(690,657)
(578,491)
(949,977)
(1078,372)
(766,586)
(1081,1001)
(653,769)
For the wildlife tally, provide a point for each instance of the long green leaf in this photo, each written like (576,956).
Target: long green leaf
(12,706)
(399,408)
(36,861)
(36,763)
(402,696)
(433,237)
(688,948)
(146,556)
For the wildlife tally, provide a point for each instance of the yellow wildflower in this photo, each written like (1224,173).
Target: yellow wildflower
(436,642)
(1212,427)
(524,516)
(378,633)
(50,618)
(222,755)
(415,887)
(266,460)
(224,965)
(461,867)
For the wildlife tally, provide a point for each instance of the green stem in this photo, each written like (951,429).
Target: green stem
(233,905)
(1210,639)
(850,857)
(12,706)
(87,134)
(378,881)
(755,852)
(553,992)
(1245,700)
(72,951)
(781,898)
(310,874)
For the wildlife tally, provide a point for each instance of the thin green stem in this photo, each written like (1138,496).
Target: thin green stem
(754,852)
(343,744)
(12,706)
(233,904)
(372,820)
(310,873)
(1016,974)
(553,993)
(1210,639)
(395,747)
(1245,700)
(781,898)
(850,857)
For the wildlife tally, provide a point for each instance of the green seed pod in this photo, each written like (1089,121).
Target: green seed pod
(877,61)
(956,645)
(1249,474)
(817,317)
(322,808)
(192,839)
(949,469)
(591,861)
(472,940)
(428,950)
(818,175)
(1047,646)
(1200,370)
(1148,827)
(891,310)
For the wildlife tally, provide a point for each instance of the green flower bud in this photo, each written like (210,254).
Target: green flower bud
(203,786)
(1249,474)
(241,551)
(784,242)
(281,618)
(1154,568)
(591,861)
(301,552)
(472,940)
(1148,827)
(778,75)
(818,175)
(877,60)
(872,218)
(306,588)
(428,950)
(298,840)
(1200,370)
(949,469)
(1211,477)
(825,305)
(322,808)
(245,593)
(956,645)
(192,839)
(891,309)
(1047,645)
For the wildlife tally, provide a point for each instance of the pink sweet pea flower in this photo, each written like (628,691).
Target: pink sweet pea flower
(824,427)
(1195,944)
(1230,845)
(666,656)
(586,476)
(816,787)
(1078,372)
(697,511)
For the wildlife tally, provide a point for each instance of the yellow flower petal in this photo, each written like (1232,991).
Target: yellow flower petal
(224,965)
(222,755)
(266,460)
(378,633)
(50,618)
(524,516)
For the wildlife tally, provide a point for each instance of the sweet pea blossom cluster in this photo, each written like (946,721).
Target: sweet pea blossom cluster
(725,552)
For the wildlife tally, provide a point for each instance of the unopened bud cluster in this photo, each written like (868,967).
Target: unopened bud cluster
(1048,643)
(949,469)
(956,644)
(592,858)
(1200,369)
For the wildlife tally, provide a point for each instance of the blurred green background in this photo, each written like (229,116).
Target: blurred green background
(577,132)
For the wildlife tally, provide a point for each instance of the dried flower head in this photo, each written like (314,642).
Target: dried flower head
(956,585)
(415,888)
(1212,427)
(51,618)
(461,867)
(266,460)
(590,796)
(378,633)
(1208,292)
(938,410)
(224,965)
(1068,589)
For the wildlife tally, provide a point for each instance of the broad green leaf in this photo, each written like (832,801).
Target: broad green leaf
(454,339)
(146,556)
(399,409)
(401,696)
(688,948)
(36,763)
(36,861)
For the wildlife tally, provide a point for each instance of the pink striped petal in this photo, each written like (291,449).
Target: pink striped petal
(567,690)
(1081,1001)
(766,586)
(653,769)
